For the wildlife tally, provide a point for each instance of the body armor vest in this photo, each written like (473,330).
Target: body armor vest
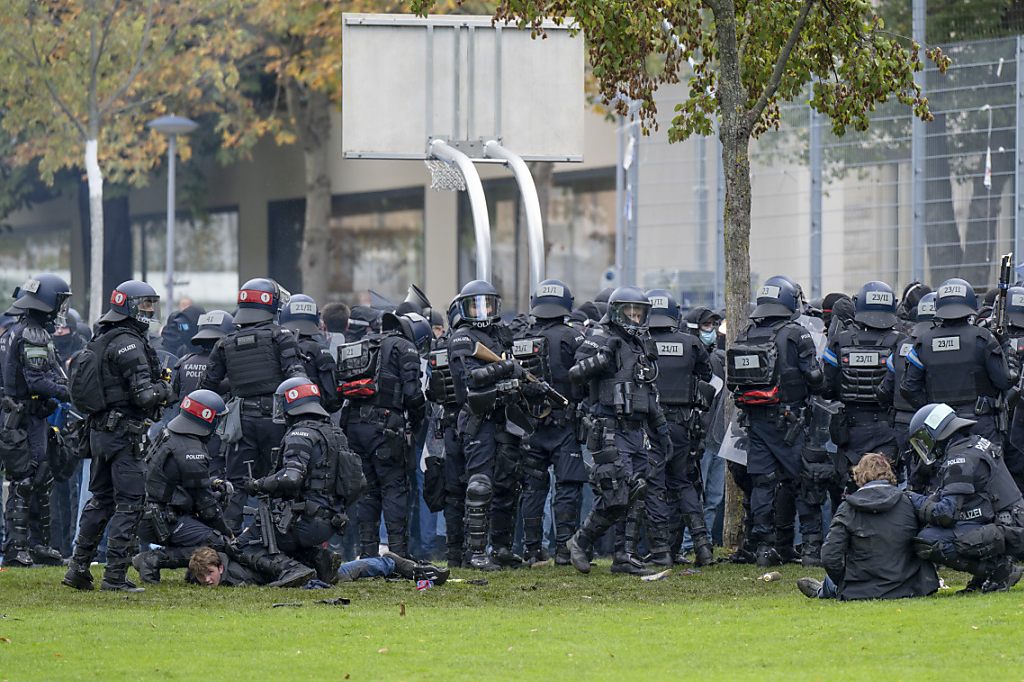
(441,387)
(190,370)
(756,372)
(555,336)
(862,354)
(626,388)
(253,362)
(677,355)
(955,372)
(1000,493)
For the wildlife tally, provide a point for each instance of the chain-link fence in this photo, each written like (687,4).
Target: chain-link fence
(834,212)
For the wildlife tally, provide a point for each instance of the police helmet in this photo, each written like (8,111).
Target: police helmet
(552,299)
(875,306)
(930,426)
(46,293)
(300,315)
(259,300)
(479,304)
(133,300)
(1015,306)
(955,299)
(454,318)
(926,307)
(912,295)
(295,396)
(664,309)
(630,309)
(214,325)
(411,326)
(198,413)
(777,297)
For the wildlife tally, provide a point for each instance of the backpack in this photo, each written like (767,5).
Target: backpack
(751,366)
(358,367)
(85,375)
(349,481)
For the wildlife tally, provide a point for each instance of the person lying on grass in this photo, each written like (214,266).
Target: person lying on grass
(869,552)
(211,568)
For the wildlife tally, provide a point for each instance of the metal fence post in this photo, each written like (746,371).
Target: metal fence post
(815,162)
(1018,144)
(917,160)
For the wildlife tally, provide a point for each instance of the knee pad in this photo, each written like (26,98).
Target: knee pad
(479,490)
(930,551)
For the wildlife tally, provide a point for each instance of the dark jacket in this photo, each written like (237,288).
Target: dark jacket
(869,552)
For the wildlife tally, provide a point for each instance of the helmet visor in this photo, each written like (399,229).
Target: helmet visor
(60,315)
(923,444)
(284,295)
(631,315)
(480,308)
(278,412)
(146,309)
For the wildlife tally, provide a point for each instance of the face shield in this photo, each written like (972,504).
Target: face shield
(923,444)
(480,308)
(631,316)
(284,296)
(278,413)
(146,309)
(60,315)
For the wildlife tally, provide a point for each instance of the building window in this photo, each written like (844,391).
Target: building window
(376,242)
(205,257)
(579,235)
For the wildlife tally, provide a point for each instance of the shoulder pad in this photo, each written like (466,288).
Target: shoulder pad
(590,343)
(460,341)
(35,335)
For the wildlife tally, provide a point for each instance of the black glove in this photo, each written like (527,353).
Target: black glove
(252,486)
(665,442)
(534,391)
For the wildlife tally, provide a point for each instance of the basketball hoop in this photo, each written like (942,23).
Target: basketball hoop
(445,176)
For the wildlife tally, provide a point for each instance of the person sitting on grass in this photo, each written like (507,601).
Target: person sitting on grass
(869,551)
(211,568)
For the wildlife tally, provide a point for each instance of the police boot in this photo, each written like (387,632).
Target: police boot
(115,574)
(623,562)
(811,551)
(369,539)
(579,547)
(477,524)
(397,539)
(78,576)
(704,553)
(418,570)
(326,564)
(533,541)
(565,528)
(661,556)
(43,553)
(501,542)
(290,573)
(148,564)
(1001,576)
(625,559)
(17,554)
(767,556)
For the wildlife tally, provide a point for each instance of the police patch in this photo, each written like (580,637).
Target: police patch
(945,343)
(551,290)
(905,349)
(947,290)
(768,291)
(879,298)
(670,348)
(303,308)
(659,301)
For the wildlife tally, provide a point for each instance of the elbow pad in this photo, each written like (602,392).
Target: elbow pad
(815,379)
(285,482)
(588,367)
(147,397)
(416,401)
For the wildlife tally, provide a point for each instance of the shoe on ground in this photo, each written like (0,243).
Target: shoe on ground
(767,556)
(810,587)
(577,556)
(125,586)
(480,561)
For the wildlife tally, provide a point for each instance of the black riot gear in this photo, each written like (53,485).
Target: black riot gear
(629,309)
(478,303)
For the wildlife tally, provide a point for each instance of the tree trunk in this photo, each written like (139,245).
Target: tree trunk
(734,131)
(95,176)
(312,114)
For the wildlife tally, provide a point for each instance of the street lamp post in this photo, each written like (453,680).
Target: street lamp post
(171,126)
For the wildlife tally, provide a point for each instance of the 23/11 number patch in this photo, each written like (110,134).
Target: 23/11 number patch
(863,359)
(945,343)
(747,362)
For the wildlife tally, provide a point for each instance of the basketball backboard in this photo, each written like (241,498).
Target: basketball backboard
(408,80)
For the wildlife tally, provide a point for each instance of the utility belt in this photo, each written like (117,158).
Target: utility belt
(287,513)
(258,406)
(861,415)
(162,519)
(117,421)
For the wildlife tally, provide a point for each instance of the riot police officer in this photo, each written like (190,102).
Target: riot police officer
(1015,438)
(675,493)
(381,381)
(441,392)
(189,371)
(491,423)
(183,509)
(317,480)
(890,395)
(974,499)
(547,348)
(618,364)
(855,366)
(122,395)
(33,382)
(301,316)
(254,359)
(772,368)
(959,363)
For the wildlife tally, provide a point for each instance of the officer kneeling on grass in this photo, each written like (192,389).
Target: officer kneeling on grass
(869,551)
(975,514)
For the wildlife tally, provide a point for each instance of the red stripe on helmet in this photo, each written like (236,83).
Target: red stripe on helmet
(197,409)
(301,391)
(255,296)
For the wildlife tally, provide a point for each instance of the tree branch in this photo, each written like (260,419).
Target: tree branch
(137,64)
(772,86)
(41,68)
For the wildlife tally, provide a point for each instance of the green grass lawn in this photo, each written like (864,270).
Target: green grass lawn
(550,621)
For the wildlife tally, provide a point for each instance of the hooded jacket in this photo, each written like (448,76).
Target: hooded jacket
(869,549)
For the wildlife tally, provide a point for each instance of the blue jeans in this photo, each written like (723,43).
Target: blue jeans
(371,567)
(828,589)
